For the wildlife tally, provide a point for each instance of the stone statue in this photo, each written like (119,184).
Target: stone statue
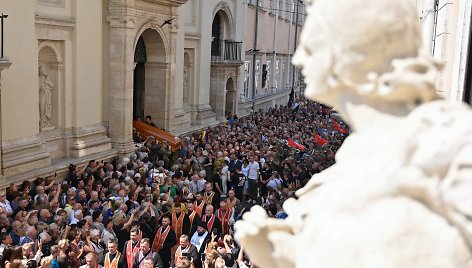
(45,97)
(400,193)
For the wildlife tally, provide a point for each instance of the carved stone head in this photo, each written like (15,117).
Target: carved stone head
(346,46)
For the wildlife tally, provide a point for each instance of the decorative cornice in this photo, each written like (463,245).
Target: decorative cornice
(175,3)
(58,22)
(120,21)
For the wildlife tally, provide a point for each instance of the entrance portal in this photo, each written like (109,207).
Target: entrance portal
(139,77)
(150,78)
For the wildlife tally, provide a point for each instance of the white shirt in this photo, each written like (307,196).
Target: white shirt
(6,206)
(253,170)
(224,173)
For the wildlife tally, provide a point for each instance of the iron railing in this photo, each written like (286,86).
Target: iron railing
(226,50)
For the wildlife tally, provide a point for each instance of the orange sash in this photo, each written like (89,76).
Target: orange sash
(177,224)
(160,238)
(199,208)
(191,217)
(224,220)
(208,198)
(130,252)
(231,204)
(114,263)
(209,223)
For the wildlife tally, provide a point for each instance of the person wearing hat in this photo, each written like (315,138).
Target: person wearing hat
(200,240)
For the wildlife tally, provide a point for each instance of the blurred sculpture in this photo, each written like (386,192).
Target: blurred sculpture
(399,194)
(45,97)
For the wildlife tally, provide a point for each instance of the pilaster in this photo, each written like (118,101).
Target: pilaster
(121,54)
(4,65)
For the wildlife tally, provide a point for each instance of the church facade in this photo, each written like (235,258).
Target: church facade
(75,74)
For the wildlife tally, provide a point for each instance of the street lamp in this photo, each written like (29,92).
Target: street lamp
(4,16)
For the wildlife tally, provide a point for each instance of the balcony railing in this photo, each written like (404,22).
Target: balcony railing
(226,50)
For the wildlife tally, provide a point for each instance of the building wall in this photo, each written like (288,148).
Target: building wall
(446,30)
(276,45)
(88,48)
(62,36)
(20,81)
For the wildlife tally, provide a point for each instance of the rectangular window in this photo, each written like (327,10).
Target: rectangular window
(260,3)
(293,11)
(281,8)
(257,86)
(268,82)
(287,9)
(247,78)
(272,7)
(284,75)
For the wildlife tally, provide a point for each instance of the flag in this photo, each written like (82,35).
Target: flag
(296,106)
(338,127)
(319,140)
(204,134)
(292,143)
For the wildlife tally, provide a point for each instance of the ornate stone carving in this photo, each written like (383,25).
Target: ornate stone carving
(45,97)
(122,20)
(399,193)
(53,3)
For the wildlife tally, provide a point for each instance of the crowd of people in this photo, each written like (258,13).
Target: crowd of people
(164,208)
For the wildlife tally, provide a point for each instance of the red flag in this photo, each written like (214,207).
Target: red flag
(292,143)
(319,140)
(338,127)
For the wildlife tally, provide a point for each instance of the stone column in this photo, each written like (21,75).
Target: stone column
(4,65)
(121,51)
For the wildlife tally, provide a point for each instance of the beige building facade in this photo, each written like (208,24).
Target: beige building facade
(268,74)
(75,75)
(446,35)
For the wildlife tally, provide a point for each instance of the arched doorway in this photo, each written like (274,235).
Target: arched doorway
(138,81)
(216,36)
(150,78)
(230,96)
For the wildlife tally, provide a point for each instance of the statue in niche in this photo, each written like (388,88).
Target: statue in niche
(45,97)
(186,84)
(399,194)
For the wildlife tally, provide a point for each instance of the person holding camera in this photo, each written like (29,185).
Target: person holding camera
(185,251)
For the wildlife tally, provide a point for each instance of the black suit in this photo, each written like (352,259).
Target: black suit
(216,225)
(165,251)
(124,250)
(192,227)
(138,261)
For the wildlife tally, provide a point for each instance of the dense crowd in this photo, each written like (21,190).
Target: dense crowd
(164,208)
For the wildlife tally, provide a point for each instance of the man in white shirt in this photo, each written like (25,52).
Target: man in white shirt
(5,204)
(253,175)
